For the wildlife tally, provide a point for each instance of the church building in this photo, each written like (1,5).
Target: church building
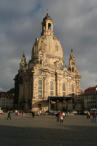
(45,74)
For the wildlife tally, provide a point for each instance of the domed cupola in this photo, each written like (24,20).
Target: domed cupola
(47,46)
(47,25)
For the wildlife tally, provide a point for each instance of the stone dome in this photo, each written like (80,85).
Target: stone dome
(47,42)
(48,45)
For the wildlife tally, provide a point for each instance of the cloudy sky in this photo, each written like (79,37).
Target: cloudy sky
(75,25)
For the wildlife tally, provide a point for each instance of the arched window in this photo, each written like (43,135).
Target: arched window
(40,89)
(51,88)
(64,89)
(49,26)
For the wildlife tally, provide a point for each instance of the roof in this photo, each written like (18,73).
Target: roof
(6,95)
(91,90)
(47,17)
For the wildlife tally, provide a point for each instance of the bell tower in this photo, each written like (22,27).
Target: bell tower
(47,25)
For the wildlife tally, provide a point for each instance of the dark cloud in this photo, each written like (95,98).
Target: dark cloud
(75,26)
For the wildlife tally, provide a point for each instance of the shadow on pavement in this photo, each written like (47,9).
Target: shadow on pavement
(66,136)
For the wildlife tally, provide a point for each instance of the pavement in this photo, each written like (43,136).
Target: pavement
(44,130)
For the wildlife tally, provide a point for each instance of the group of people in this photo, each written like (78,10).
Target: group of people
(60,117)
(94,115)
(16,113)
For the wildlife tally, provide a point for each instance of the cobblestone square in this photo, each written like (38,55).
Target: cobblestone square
(46,131)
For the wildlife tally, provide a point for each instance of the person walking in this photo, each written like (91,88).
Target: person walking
(61,118)
(58,116)
(33,114)
(9,115)
(94,116)
(22,113)
(88,115)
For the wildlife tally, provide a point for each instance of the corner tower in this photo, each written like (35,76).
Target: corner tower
(72,63)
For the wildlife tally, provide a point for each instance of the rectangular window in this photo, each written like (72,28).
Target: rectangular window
(51,93)
(51,88)
(40,89)
(40,84)
(72,88)
(40,93)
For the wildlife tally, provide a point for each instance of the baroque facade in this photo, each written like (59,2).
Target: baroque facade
(45,74)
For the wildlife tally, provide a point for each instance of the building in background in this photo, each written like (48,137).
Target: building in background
(45,74)
(6,100)
(90,98)
(87,100)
